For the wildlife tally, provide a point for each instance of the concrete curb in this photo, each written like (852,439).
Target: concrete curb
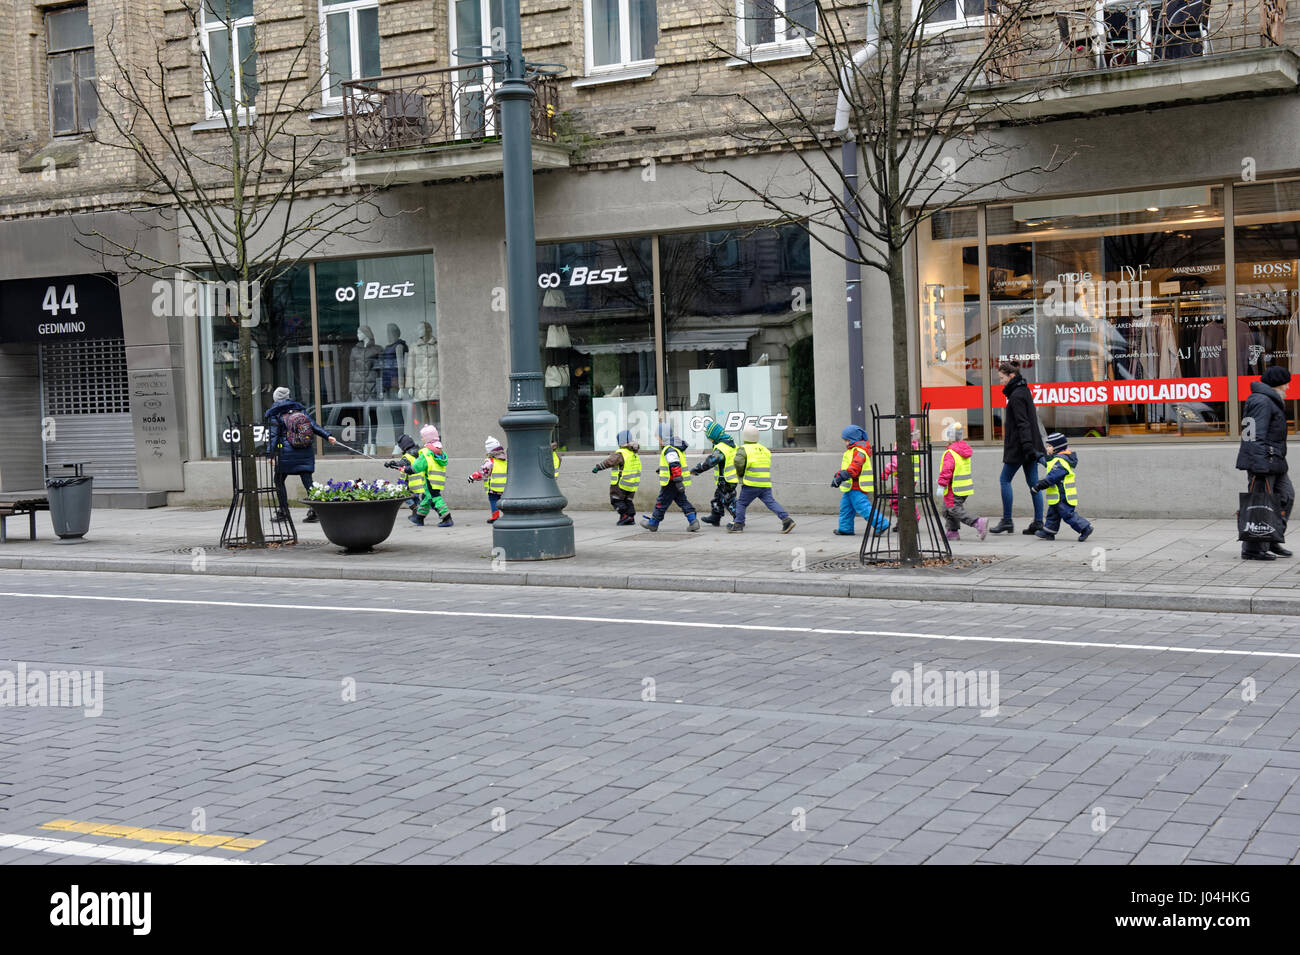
(794,585)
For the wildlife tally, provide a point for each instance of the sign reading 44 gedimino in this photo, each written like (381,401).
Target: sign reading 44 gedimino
(60,308)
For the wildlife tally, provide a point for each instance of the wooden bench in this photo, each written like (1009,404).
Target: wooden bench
(10,509)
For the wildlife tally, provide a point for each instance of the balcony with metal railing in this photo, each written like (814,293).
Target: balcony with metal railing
(1070,57)
(440,124)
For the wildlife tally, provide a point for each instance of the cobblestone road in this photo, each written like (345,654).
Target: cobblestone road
(358,726)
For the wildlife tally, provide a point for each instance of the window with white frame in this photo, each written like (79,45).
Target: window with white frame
(229,56)
(942,14)
(70,62)
(349,39)
(773,23)
(620,33)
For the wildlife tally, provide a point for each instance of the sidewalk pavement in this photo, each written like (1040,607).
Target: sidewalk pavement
(1131,564)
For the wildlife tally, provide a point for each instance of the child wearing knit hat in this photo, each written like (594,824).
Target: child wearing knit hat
(492,472)
(1061,495)
(431,462)
(753,463)
(625,479)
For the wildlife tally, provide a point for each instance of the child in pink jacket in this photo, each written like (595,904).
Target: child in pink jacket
(957,480)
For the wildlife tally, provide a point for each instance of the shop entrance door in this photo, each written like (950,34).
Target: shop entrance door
(86,410)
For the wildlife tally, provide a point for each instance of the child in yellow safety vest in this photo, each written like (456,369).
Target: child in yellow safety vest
(958,481)
(674,479)
(492,472)
(625,479)
(856,484)
(753,463)
(1061,498)
(431,464)
(722,460)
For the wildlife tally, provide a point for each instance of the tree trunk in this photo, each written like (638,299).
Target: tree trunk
(909,541)
(247,441)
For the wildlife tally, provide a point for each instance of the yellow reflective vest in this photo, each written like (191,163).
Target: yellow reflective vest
(1053,493)
(665,474)
(727,470)
(627,477)
(758,465)
(415,480)
(435,474)
(963,481)
(496,481)
(866,480)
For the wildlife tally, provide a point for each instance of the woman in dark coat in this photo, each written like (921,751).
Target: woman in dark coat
(1263,451)
(300,461)
(1022,446)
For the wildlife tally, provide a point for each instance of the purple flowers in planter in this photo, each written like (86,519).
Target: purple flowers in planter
(356,490)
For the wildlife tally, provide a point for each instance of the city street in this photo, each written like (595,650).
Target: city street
(254,720)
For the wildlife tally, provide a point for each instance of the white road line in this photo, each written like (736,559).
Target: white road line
(693,624)
(96,850)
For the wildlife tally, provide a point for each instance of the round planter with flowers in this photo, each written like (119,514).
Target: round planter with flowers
(357,515)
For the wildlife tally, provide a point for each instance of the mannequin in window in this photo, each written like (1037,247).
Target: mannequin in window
(363,367)
(394,363)
(422,366)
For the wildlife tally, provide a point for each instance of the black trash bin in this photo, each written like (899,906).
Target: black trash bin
(70,505)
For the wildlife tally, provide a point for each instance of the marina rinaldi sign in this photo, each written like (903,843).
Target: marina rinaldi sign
(61,308)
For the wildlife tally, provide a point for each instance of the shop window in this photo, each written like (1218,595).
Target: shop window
(737,310)
(620,33)
(1267,247)
(596,308)
(763,24)
(282,356)
(70,63)
(378,334)
(1115,308)
(229,56)
(951,339)
(349,32)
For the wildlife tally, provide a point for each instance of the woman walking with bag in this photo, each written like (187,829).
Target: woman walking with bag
(1263,452)
(1022,446)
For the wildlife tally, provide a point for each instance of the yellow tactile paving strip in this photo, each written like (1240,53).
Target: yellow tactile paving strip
(168,836)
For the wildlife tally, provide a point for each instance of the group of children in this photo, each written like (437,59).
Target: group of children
(742,475)
(957,480)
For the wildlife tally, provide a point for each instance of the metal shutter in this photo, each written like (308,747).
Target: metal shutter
(87,400)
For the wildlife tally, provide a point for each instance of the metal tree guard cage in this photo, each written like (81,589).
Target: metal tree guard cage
(878,546)
(263,496)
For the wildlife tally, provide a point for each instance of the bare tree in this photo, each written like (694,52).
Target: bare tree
(880,82)
(254,197)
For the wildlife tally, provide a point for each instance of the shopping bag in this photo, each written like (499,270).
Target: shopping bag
(1259,518)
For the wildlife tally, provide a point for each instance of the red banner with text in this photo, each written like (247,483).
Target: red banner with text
(1150,391)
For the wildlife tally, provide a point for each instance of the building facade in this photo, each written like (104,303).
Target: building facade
(1142,284)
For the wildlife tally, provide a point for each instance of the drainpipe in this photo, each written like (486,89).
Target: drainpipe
(853,269)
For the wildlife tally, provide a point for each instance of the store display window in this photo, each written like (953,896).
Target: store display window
(281,356)
(374,372)
(596,315)
(1267,247)
(737,311)
(951,340)
(378,332)
(1114,306)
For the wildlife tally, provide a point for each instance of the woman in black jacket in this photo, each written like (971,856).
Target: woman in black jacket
(299,461)
(1022,446)
(1263,451)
